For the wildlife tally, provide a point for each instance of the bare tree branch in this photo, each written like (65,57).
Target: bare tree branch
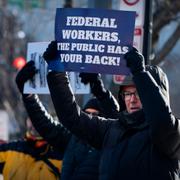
(167,46)
(166,12)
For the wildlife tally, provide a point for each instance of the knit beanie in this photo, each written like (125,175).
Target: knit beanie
(93,103)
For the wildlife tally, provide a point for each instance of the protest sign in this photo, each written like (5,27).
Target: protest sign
(39,85)
(94,40)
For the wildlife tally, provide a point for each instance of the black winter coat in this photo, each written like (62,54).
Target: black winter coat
(143,145)
(52,131)
(81,161)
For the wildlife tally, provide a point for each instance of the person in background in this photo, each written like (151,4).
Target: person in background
(105,97)
(29,158)
(48,163)
(144,141)
(2,141)
(80,161)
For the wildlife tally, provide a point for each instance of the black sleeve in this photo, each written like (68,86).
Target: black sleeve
(88,128)
(109,105)
(52,131)
(165,128)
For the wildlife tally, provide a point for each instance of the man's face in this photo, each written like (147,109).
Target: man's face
(131,99)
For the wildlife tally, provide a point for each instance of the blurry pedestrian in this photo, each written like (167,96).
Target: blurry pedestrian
(80,161)
(29,158)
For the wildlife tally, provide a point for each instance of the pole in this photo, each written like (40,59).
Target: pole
(68,4)
(147,31)
(100,4)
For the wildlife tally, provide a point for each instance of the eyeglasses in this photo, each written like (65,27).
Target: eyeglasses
(127,95)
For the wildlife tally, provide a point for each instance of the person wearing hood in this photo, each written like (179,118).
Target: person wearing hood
(81,161)
(144,141)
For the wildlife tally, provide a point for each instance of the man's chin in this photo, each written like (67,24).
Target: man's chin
(132,110)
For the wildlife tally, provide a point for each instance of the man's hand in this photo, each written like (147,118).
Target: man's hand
(135,61)
(25,74)
(96,84)
(89,77)
(52,57)
(51,52)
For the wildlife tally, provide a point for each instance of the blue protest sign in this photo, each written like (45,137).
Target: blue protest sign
(94,40)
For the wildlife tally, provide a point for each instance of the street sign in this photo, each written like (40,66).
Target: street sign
(135,5)
(122,79)
(118,79)
(139,7)
(131,2)
(138,38)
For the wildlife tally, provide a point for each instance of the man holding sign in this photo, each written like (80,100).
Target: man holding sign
(143,142)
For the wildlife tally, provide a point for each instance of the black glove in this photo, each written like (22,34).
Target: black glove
(26,73)
(135,61)
(89,77)
(51,52)
(96,84)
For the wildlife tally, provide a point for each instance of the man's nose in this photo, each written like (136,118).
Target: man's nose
(133,98)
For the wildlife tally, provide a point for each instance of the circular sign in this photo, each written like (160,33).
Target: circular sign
(131,2)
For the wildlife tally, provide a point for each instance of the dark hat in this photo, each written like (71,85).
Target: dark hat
(93,103)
